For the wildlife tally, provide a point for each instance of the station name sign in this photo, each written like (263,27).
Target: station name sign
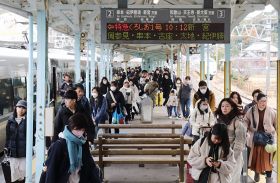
(159,26)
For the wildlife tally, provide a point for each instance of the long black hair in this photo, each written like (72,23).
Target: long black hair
(238,96)
(232,114)
(99,97)
(220,130)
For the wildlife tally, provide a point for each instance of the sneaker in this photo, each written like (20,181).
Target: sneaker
(268,180)
(257,177)
(177,117)
(170,117)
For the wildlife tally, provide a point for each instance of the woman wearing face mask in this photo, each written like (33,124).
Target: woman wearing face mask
(104,86)
(114,98)
(265,121)
(204,92)
(166,85)
(69,159)
(211,157)
(178,85)
(98,105)
(201,119)
(128,97)
(229,114)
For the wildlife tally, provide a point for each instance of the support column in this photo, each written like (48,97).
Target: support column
(208,66)
(29,130)
(77,57)
(278,98)
(202,62)
(41,91)
(108,62)
(171,62)
(92,62)
(227,71)
(179,61)
(110,65)
(87,89)
(187,61)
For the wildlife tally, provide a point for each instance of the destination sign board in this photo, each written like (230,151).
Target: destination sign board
(157,26)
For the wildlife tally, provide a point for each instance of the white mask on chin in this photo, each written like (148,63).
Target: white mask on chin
(203,91)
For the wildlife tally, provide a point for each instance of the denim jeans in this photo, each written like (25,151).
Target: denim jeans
(172,108)
(185,106)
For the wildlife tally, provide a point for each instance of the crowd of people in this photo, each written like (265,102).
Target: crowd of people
(219,134)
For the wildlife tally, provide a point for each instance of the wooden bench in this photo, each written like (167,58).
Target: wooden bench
(153,148)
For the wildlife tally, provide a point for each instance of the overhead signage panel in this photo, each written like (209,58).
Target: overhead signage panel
(159,26)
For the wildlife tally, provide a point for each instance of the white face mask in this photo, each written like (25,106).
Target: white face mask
(94,95)
(203,107)
(203,91)
(113,88)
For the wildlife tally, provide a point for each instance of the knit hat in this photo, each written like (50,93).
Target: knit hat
(22,103)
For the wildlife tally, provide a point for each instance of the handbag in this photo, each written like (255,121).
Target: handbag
(113,98)
(6,167)
(118,117)
(260,138)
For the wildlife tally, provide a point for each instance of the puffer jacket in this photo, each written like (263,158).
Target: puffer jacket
(196,158)
(16,137)
(199,120)
(128,95)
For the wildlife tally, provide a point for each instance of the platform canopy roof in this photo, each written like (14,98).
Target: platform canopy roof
(71,16)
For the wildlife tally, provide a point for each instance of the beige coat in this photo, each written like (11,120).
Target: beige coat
(269,123)
(198,120)
(196,159)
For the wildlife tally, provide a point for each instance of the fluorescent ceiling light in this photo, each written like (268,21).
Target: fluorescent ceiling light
(155,1)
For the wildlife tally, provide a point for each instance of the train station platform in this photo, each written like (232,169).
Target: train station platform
(116,173)
(127,173)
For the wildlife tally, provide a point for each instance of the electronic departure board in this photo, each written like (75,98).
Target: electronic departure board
(155,26)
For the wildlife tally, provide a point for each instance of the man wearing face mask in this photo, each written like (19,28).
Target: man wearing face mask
(113,101)
(204,92)
(184,95)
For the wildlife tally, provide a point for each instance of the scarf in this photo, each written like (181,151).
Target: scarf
(226,119)
(74,146)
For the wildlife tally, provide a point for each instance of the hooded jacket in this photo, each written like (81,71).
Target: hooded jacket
(199,120)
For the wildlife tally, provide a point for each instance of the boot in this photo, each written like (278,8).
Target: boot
(257,177)
(268,180)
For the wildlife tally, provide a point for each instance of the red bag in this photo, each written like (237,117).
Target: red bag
(189,178)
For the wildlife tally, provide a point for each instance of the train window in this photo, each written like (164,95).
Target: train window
(11,91)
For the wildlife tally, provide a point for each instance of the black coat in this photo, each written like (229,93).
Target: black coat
(61,119)
(16,137)
(104,88)
(58,164)
(119,99)
(166,85)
